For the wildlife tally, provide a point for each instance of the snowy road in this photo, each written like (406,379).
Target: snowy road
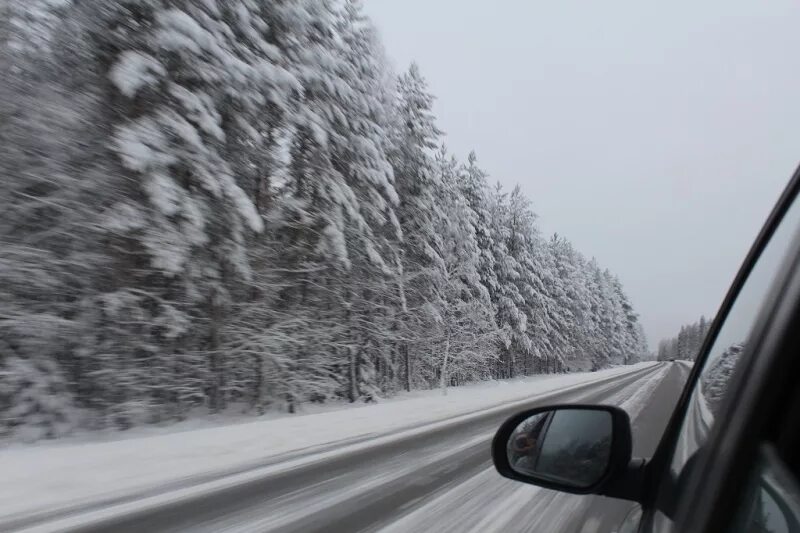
(437,480)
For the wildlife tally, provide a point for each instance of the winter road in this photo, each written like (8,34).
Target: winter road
(437,479)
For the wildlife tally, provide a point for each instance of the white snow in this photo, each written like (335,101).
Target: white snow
(140,145)
(123,217)
(51,476)
(634,400)
(168,248)
(704,411)
(200,108)
(194,221)
(184,130)
(133,70)
(244,206)
(164,193)
(180,31)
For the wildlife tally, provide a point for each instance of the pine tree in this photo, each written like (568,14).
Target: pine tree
(687,344)
(54,179)
(509,302)
(465,317)
(475,188)
(191,250)
(413,140)
(571,299)
(373,230)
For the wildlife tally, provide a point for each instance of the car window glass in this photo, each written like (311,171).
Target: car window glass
(769,502)
(724,355)
(725,352)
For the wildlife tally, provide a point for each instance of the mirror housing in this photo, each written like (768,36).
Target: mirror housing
(609,471)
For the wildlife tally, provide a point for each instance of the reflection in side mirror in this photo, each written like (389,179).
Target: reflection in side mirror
(566,446)
(582,449)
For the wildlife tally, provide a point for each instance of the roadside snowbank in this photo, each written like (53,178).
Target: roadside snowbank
(46,477)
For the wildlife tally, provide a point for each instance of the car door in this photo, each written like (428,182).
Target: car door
(727,460)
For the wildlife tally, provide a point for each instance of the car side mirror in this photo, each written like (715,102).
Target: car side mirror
(582,449)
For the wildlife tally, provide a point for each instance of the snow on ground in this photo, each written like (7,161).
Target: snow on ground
(633,400)
(49,476)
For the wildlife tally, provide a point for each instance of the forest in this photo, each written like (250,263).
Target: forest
(687,344)
(240,206)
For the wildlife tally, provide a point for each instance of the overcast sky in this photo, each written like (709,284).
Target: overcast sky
(654,135)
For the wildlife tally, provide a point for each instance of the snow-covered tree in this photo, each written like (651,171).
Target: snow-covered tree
(54,179)
(687,344)
(414,137)
(466,329)
(475,189)
(509,300)
(718,376)
(236,204)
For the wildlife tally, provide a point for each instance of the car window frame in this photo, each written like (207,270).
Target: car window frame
(758,392)
(660,481)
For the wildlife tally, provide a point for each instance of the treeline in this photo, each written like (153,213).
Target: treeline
(717,377)
(236,205)
(687,344)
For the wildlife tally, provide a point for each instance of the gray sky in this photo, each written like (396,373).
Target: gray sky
(655,136)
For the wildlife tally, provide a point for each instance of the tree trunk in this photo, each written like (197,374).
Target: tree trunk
(407,361)
(353,393)
(401,289)
(290,403)
(258,385)
(217,402)
(443,373)
(352,353)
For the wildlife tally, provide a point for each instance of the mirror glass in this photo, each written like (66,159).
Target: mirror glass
(567,446)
